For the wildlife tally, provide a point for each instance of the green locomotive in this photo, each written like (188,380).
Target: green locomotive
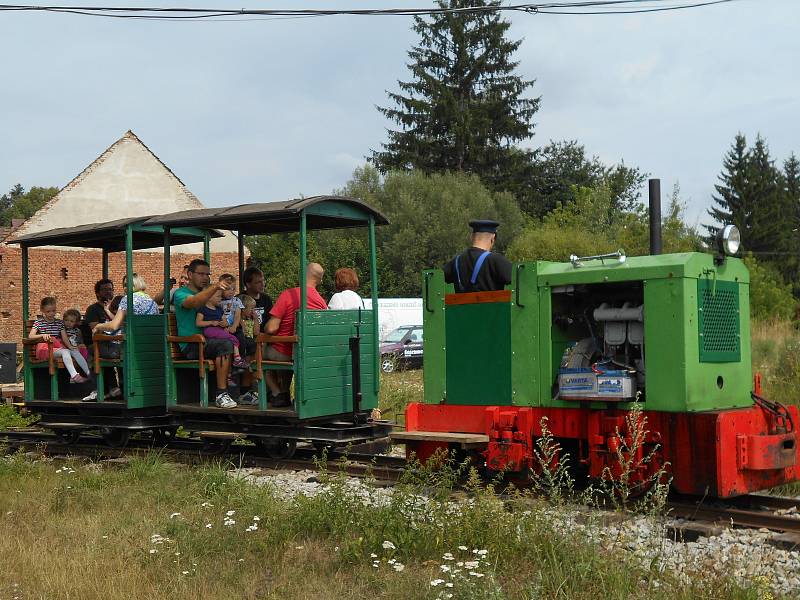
(577,343)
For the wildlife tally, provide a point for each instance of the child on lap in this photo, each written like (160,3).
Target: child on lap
(72,338)
(210,319)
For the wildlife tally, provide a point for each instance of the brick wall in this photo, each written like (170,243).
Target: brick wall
(70,275)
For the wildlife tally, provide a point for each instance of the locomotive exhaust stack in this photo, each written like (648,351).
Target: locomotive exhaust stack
(656,246)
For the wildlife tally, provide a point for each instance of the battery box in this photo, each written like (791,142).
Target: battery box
(585,384)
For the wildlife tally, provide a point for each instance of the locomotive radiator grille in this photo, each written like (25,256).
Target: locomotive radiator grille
(718,321)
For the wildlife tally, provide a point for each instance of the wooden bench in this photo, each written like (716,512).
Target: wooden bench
(179,361)
(262,365)
(53,364)
(101,362)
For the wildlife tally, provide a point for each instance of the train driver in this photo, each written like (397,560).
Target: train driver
(478,269)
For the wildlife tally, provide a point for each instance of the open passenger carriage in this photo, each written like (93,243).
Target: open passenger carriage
(141,364)
(336,352)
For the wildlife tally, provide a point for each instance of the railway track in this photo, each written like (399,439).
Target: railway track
(697,516)
(358,461)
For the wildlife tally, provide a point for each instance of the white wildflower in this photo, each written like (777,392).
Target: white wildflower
(208,525)
(463,548)
(153,550)
(398,567)
(475,574)
(184,572)
(256,518)
(373,555)
(230,513)
(449,584)
(444,568)
(480,552)
(437,582)
(448,556)
(387,545)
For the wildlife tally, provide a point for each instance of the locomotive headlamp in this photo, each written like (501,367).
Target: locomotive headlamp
(728,240)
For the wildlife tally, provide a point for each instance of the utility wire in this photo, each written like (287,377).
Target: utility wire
(590,7)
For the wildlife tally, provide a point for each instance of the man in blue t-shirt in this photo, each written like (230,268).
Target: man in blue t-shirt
(188,299)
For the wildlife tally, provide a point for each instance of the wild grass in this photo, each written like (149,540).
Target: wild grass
(398,389)
(10,417)
(776,355)
(151,529)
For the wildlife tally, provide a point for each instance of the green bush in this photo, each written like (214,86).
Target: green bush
(770,297)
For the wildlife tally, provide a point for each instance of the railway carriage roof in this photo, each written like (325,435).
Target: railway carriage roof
(109,236)
(322,212)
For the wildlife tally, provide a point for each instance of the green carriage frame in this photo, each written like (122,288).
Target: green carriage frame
(142,360)
(322,360)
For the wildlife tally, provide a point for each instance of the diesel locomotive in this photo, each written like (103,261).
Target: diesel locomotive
(580,342)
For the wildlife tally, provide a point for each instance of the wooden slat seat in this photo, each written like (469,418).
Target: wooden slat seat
(51,362)
(179,361)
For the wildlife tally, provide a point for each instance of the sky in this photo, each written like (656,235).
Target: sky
(264,110)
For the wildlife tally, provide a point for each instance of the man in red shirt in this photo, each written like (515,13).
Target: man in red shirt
(281,323)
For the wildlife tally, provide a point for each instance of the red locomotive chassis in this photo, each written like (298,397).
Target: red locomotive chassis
(719,453)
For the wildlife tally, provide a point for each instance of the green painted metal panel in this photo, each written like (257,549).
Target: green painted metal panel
(639,268)
(479,353)
(145,371)
(718,320)
(326,365)
(333,208)
(524,332)
(433,344)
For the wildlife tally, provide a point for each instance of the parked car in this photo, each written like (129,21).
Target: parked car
(402,348)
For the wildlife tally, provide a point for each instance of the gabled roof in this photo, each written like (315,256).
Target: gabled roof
(126,181)
(322,212)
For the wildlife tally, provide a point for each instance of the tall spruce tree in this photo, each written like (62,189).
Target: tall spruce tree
(791,188)
(464,108)
(731,199)
(770,225)
(791,177)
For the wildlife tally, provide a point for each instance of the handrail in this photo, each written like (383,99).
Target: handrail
(426,279)
(520,266)
(265,338)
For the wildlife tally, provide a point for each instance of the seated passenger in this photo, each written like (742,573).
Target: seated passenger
(98,312)
(47,328)
(188,300)
(211,319)
(254,287)
(281,322)
(142,305)
(72,338)
(346,298)
(249,325)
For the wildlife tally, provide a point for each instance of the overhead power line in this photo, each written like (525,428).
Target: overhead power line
(595,7)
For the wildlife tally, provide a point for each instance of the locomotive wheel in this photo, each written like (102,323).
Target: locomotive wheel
(115,437)
(68,436)
(388,363)
(215,446)
(164,435)
(279,449)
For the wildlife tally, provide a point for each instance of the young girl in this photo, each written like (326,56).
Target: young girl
(72,338)
(231,305)
(249,325)
(47,328)
(210,319)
